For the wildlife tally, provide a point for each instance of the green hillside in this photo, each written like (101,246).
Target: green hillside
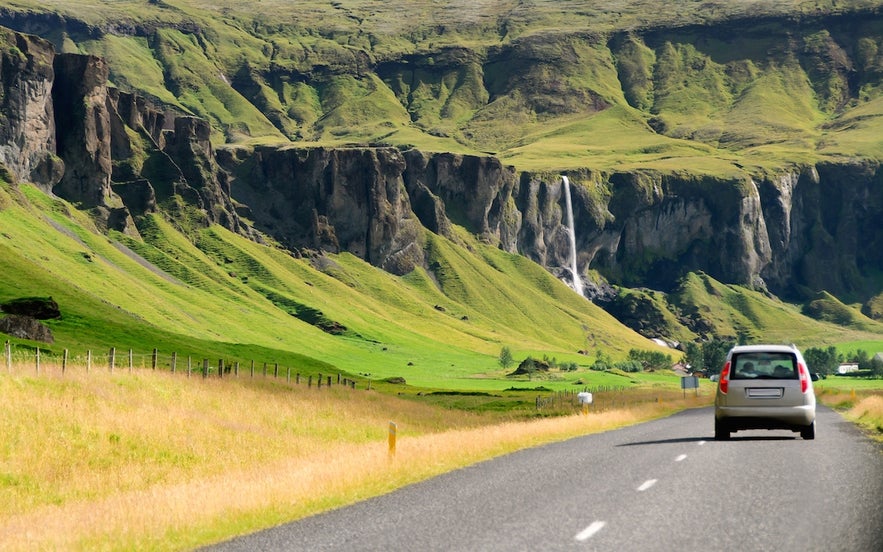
(218,295)
(221,295)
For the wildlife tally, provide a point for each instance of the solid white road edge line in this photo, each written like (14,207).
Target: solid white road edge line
(647,484)
(587,533)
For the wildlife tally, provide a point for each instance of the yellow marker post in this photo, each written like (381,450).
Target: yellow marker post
(392,439)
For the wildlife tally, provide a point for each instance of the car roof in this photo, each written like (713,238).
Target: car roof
(760,348)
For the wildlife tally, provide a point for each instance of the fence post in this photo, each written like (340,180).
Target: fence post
(319,382)
(288,378)
(236,369)
(111,358)
(220,367)
(153,360)
(189,366)
(275,369)
(64,362)
(131,361)
(38,361)
(88,360)
(174,362)
(252,368)
(329,381)
(393,430)
(8,354)
(204,368)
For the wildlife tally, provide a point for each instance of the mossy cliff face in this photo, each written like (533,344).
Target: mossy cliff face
(335,200)
(80,97)
(794,232)
(108,152)
(759,83)
(808,229)
(814,228)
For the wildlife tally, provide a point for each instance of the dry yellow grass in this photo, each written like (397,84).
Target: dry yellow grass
(865,408)
(868,412)
(156,461)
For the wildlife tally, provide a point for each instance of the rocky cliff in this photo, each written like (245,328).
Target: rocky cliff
(108,152)
(27,135)
(791,232)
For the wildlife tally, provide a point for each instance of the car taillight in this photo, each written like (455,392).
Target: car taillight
(724,382)
(804,377)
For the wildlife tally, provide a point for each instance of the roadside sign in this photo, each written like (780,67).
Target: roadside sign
(690,382)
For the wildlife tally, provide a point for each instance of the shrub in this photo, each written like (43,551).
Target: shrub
(629,366)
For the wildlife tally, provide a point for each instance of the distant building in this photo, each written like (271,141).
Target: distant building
(847,367)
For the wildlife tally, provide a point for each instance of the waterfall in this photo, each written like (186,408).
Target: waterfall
(571,231)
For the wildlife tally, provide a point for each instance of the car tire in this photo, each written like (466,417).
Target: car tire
(721,432)
(809,432)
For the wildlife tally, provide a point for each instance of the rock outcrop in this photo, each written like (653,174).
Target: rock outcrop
(107,151)
(27,132)
(26,327)
(24,315)
(41,308)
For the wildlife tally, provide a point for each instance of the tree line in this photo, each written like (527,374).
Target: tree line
(710,356)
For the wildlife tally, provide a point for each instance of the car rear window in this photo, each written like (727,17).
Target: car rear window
(763,365)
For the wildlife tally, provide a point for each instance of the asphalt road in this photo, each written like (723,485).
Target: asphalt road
(664,485)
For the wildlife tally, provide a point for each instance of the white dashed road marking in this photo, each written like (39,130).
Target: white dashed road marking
(596,526)
(647,484)
(587,533)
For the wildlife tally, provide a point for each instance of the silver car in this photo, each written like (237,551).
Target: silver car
(764,387)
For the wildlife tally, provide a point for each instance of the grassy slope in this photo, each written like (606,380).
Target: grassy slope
(734,310)
(213,302)
(231,298)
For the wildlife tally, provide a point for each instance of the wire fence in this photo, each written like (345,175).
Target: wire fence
(27,359)
(115,360)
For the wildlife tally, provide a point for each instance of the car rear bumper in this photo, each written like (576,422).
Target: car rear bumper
(766,417)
